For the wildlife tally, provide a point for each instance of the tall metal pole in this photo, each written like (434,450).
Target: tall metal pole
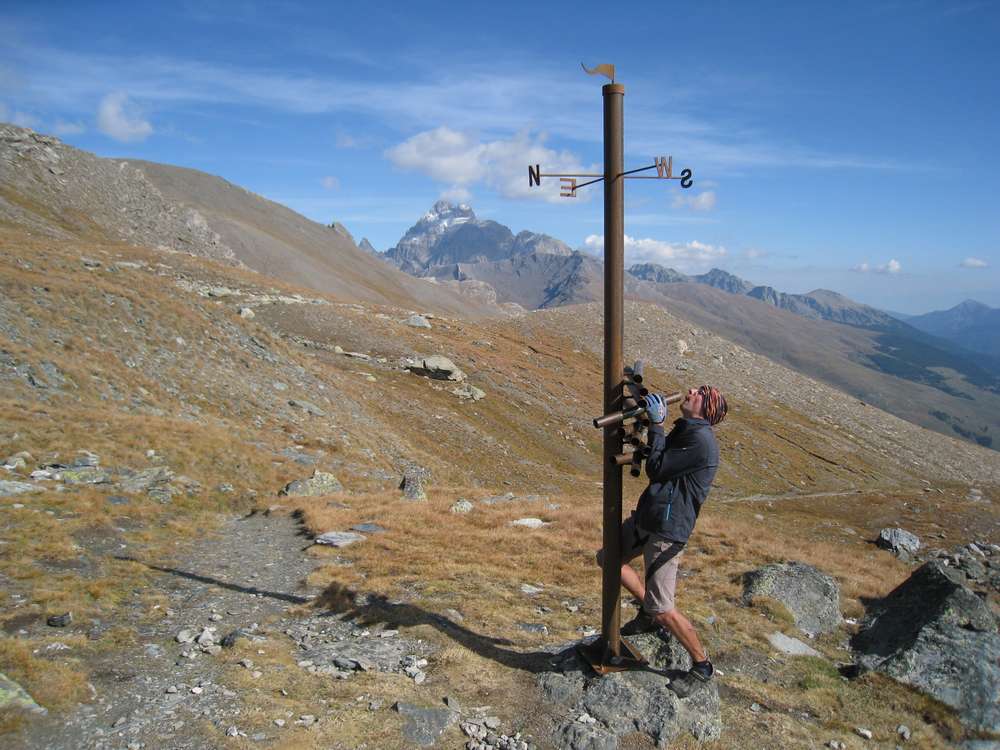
(614,270)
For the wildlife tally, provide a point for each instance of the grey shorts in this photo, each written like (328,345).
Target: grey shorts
(659,554)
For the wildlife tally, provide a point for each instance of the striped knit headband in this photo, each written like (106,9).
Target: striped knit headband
(713,404)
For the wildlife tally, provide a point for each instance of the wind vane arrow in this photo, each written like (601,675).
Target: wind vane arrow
(601,70)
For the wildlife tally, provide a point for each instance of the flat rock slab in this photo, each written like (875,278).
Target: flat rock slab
(467,390)
(338,538)
(418,321)
(8,488)
(529,523)
(438,368)
(367,654)
(791,646)
(368,528)
(85,475)
(422,726)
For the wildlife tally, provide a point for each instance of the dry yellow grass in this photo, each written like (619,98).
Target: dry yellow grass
(530,435)
(430,560)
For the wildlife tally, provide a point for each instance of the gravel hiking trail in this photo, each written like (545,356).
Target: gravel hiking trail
(160,693)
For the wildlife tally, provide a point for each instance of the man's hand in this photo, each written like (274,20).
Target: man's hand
(656,408)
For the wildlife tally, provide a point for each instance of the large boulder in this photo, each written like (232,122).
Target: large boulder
(810,595)
(600,711)
(412,483)
(899,542)
(934,634)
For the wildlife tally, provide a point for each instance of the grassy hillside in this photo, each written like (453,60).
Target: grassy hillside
(149,361)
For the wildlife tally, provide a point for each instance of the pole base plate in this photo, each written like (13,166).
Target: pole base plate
(599,657)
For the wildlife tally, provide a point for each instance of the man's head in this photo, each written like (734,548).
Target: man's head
(705,403)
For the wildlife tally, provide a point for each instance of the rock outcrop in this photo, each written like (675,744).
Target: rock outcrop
(437,367)
(320,483)
(601,710)
(933,633)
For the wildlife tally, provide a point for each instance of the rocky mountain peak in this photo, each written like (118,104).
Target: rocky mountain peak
(725,281)
(656,273)
(449,234)
(446,213)
(971,306)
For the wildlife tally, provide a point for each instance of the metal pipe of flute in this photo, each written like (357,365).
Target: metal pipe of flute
(620,416)
(637,369)
(622,459)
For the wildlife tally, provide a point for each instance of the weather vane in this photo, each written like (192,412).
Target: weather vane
(612,652)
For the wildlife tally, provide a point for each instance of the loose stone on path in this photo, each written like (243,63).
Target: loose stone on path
(338,538)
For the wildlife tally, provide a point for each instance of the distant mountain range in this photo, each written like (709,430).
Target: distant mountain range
(810,332)
(471,267)
(970,324)
(821,304)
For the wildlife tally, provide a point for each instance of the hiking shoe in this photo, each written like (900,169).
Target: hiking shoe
(702,670)
(641,623)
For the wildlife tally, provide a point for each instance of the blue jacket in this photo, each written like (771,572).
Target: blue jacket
(680,467)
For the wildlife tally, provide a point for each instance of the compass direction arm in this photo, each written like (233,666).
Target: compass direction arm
(664,166)
(567,182)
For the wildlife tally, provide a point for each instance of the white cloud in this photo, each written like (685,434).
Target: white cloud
(701,202)
(68,128)
(679,255)
(460,159)
(892,267)
(470,95)
(754,253)
(456,194)
(974,263)
(330,183)
(118,118)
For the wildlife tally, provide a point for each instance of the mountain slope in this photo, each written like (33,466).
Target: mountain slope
(278,242)
(900,374)
(197,415)
(970,324)
(63,192)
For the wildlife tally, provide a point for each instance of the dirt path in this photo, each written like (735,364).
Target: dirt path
(251,570)
(788,496)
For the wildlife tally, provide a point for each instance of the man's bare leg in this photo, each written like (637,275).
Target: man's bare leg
(683,631)
(632,582)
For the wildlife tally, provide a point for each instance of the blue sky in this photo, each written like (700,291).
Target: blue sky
(850,146)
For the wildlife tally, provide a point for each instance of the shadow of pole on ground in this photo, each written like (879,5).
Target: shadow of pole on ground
(252,590)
